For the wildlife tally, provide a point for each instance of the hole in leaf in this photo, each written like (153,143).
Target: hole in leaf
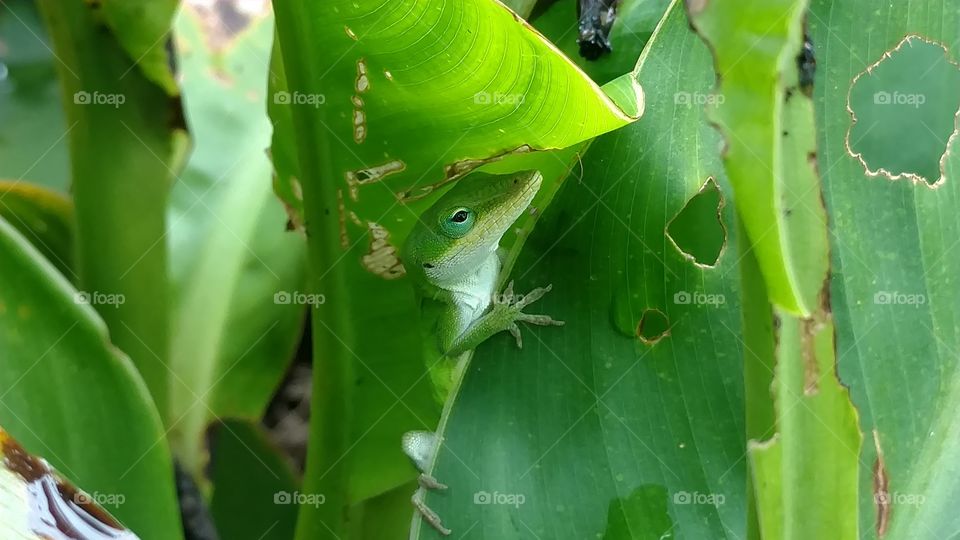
(653,326)
(903,111)
(697,230)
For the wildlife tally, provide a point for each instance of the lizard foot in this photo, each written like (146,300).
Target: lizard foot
(428,482)
(420,447)
(514,309)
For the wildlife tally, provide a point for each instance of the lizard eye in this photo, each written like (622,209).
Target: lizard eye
(458,222)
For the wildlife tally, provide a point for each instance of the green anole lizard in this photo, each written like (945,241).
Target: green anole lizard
(452,257)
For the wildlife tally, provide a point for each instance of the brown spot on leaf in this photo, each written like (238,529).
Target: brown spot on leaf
(382,258)
(808,350)
(355,179)
(881,488)
(362,83)
(455,171)
(342,217)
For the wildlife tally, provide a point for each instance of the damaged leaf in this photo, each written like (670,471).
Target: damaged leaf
(374,95)
(71,396)
(894,289)
(378,109)
(769,142)
(624,417)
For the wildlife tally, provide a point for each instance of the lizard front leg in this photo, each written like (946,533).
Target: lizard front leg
(502,316)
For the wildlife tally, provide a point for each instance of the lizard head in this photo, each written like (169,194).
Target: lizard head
(464,227)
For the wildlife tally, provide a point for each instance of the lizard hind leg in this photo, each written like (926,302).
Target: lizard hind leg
(420,447)
(432,518)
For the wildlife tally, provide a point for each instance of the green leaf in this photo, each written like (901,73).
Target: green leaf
(32,127)
(385,516)
(231,257)
(521,7)
(71,397)
(43,216)
(253,486)
(376,65)
(142,27)
(767,124)
(587,431)
(123,153)
(894,289)
(806,480)
(357,74)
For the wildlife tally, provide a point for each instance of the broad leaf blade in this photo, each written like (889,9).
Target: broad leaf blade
(481,66)
(356,75)
(120,111)
(254,489)
(43,216)
(894,286)
(143,29)
(588,431)
(70,396)
(238,276)
(760,110)
(33,143)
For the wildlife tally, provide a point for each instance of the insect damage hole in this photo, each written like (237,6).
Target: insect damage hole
(903,111)
(653,326)
(697,230)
